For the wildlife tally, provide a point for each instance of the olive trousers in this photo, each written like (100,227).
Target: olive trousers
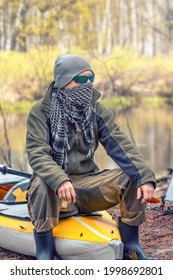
(94,192)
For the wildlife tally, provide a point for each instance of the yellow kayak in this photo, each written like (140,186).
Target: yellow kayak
(89,237)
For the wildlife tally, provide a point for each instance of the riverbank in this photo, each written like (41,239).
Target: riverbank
(115,103)
(25,76)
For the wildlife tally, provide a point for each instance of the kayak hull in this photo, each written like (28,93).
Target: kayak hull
(75,247)
(66,249)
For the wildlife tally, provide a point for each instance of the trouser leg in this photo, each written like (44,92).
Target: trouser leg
(95,192)
(43,206)
(106,189)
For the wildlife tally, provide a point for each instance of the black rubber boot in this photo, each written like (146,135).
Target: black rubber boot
(130,238)
(44,245)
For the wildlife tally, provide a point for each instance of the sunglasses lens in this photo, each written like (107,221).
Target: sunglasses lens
(92,78)
(81,79)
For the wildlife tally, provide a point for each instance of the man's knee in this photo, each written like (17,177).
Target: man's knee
(39,187)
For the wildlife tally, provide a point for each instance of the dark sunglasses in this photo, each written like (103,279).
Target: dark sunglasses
(82,79)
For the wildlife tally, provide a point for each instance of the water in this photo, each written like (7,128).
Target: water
(151,127)
(152,130)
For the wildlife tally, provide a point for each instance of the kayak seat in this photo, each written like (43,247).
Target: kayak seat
(4,189)
(17,193)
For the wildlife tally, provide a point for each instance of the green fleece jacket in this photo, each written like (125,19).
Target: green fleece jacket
(106,131)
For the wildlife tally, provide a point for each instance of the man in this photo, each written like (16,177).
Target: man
(63,132)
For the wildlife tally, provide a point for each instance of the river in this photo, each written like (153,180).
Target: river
(152,130)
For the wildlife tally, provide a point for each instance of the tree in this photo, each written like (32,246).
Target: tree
(5,148)
(96,26)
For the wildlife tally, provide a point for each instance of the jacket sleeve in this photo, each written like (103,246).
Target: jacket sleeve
(124,153)
(39,150)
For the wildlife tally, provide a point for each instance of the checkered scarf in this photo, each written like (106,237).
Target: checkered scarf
(70,105)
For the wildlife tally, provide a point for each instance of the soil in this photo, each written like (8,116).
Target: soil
(156,233)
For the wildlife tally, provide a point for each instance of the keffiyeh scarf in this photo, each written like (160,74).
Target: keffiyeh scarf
(70,105)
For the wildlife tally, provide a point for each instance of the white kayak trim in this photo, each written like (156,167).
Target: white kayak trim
(92,229)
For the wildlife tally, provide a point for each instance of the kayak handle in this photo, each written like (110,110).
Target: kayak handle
(6,170)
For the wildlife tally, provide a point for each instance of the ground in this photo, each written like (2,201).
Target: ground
(156,233)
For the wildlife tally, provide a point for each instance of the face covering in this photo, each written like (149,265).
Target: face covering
(70,105)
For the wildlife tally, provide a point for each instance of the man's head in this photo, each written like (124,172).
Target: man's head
(71,70)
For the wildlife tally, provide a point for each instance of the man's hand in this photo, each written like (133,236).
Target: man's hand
(66,191)
(145,192)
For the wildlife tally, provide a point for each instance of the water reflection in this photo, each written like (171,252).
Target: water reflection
(153,133)
(152,130)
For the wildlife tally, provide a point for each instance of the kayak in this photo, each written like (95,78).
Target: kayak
(93,236)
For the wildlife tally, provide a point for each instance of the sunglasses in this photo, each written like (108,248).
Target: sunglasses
(82,79)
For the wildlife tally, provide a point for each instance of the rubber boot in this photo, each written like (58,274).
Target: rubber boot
(44,245)
(130,238)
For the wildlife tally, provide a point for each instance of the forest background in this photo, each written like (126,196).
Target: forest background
(129,44)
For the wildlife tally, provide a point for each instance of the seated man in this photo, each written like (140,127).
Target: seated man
(63,132)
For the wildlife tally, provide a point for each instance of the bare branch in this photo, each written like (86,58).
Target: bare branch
(7,155)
